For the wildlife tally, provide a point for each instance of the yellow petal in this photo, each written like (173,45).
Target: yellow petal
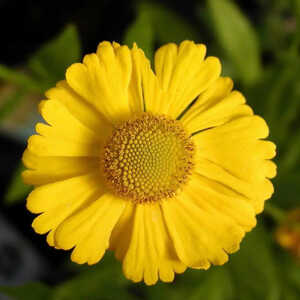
(139,64)
(133,263)
(200,236)
(215,107)
(160,244)
(254,193)
(214,197)
(151,262)
(103,79)
(121,235)
(63,124)
(144,90)
(48,197)
(150,254)
(80,109)
(89,229)
(59,200)
(50,238)
(184,74)
(235,147)
(44,146)
(235,151)
(46,169)
(65,136)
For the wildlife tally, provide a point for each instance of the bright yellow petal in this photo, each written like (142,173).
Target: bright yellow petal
(254,193)
(133,263)
(214,197)
(236,151)
(216,106)
(150,254)
(201,236)
(144,90)
(136,86)
(103,79)
(57,201)
(80,109)
(46,169)
(44,146)
(160,244)
(236,147)
(184,74)
(90,228)
(50,196)
(121,235)
(63,124)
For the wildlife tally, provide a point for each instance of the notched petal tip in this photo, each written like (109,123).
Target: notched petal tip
(135,46)
(103,44)
(215,65)
(260,125)
(41,106)
(270,169)
(25,175)
(116,45)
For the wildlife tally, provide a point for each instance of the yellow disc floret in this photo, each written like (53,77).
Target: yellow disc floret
(148,158)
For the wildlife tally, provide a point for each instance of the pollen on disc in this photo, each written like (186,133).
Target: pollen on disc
(148,158)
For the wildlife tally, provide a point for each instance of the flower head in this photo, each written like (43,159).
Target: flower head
(168,168)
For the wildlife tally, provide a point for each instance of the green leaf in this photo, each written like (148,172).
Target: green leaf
(141,32)
(169,26)
(290,294)
(287,190)
(20,79)
(11,103)
(253,268)
(156,23)
(282,83)
(238,38)
(28,291)
(293,272)
(290,275)
(50,62)
(102,281)
(216,285)
(17,189)
(291,157)
(296,9)
(163,290)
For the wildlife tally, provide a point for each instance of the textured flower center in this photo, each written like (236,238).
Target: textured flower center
(148,158)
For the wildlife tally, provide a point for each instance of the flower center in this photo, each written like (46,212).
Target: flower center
(148,158)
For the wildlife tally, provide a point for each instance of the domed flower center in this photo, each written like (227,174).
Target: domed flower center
(148,158)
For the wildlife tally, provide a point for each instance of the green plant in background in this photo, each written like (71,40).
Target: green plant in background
(261,269)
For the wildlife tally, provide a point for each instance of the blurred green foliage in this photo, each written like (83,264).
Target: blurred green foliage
(49,64)
(29,291)
(157,24)
(262,55)
(238,39)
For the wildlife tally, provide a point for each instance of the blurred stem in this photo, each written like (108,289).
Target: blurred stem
(11,103)
(19,79)
(275,94)
(284,78)
(291,156)
(277,214)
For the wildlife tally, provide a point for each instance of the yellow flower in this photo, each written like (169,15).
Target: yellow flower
(166,168)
